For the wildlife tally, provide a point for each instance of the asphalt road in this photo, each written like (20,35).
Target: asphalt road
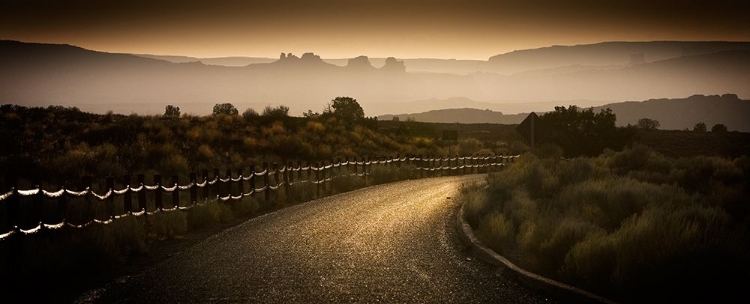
(389,243)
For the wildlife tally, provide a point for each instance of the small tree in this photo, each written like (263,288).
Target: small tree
(172,112)
(718,128)
(700,127)
(225,108)
(346,109)
(648,124)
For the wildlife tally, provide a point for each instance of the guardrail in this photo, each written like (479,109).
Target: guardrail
(228,188)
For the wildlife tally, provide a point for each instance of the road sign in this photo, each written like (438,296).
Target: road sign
(531,129)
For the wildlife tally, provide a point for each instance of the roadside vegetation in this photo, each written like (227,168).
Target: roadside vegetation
(633,225)
(59,147)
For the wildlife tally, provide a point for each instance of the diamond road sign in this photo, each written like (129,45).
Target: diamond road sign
(531,129)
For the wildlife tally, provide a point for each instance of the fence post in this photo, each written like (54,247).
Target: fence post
(13,206)
(289,173)
(38,205)
(240,184)
(142,194)
(317,180)
(365,160)
(216,187)
(176,192)
(299,170)
(228,188)
(127,204)
(421,166)
(265,181)
(193,188)
(204,175)
(157,194)
(111,200)
(89,206)
(252,180)
(348,166)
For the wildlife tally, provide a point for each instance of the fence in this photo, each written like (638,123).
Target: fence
(221,189)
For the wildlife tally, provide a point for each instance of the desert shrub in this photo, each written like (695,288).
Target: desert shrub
(624,224)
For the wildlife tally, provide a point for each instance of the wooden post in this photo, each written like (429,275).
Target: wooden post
(215,188)
(38,205)
(317,180)
(228,188)
(252,180)
(240,184)
(111,200)
(128,197)
(421,166)
(176,192)
(287,174)
(142,194)
(193,188)
(365,160)
(204,176)
(265,181)
(157,193)
(89,206)
(62,204)
(299,171)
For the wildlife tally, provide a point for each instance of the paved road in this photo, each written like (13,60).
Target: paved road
(390,243)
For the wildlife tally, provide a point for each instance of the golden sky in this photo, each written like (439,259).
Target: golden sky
(468,29)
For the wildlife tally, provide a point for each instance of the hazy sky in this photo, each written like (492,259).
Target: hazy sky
(467,29)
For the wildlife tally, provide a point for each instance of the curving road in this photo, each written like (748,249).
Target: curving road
(389,243)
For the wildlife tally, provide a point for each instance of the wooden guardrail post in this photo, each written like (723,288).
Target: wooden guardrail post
(228,188)
(157,193)
(193,188)
(204,176)
(216,186)
(252,180)
(89,213)
(267,196)
(37,209)
(240,184)
(110,207)
(141,180)
(176,192)
(127,204)
(317,180)
(287,172)
(299,170)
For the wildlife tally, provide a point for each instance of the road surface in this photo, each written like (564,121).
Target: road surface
(388,243)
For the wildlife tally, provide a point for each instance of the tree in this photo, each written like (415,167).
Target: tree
(582,132)
(225,108)
(346,109)
(172,112)
(648,124)
(717,128)
(700,127)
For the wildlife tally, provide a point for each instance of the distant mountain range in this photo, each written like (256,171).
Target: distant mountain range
(672,114)
(42,74)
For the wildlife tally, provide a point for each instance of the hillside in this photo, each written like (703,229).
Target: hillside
(44,74)
(463,116)
(678,114)
(672,114)
(605,54)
